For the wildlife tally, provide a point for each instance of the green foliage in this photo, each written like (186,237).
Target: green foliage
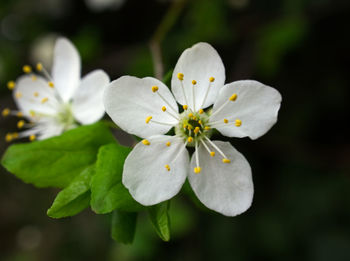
(159,217)
(123,226)
(75,197)
(55,162)
(107,190)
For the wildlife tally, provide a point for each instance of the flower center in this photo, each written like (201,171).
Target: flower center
(65,116)
(193,127)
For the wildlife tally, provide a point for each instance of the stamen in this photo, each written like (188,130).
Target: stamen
(20,124)
(225,160)
(8,137)
(15,135)
(27,69)
(226,121)
(162,123)
(163,108)
(32,137)
(42,69)
(172,115)
(164,100)
(197,169)
(212,153)
(34,78)
(201,111)
(180,76)
(39,67)
(238,122)
(19,114)
(36,94)
(11,85)
(148,119)
(233,97)
(196,130)
(178,154)
(146,142)
(211,79)
(185,107)
(218,150)
(189,139)
(155,88)
(32,113)
(207,128)
(18,95)
(51,84)
(44,100)
(5,112)
(167,167)
(193,94)
(168,143)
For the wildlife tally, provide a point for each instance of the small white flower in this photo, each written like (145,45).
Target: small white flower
(158,166)
(54,104)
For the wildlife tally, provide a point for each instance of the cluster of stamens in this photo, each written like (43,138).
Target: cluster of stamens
(193,124)
(36,96)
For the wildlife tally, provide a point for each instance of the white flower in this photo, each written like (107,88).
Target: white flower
(157,167)
(54,104)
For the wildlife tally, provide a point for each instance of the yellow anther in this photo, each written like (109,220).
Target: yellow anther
(8,137)
(44,100)
(15,135)
(238,122)
(211,79)
(184,126)
(163,108)
(51,84)
(167,167)
(180,76)
(11,85)
(18,95)
(196,130)
(185,107)
(207,128)
(189,139)
(5,112)
(226,120)
(190,115)
(20,124)
(201,111)
(19,114)
(155,88)
(32,137)
(34,78)
(39,66)
(36,94)
(197,170)
(168,143)
(148,119)
(32,113)
(212,153)
(233,97)
(194,82)
(224,160)
(189,127)
(146,142)
(194,118)
(27,69)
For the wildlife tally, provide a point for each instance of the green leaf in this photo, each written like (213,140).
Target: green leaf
(107,190)
(55,162)
(160,219)
(123,226)
(74,198)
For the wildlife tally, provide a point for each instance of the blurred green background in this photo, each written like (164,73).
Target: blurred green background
(301,208)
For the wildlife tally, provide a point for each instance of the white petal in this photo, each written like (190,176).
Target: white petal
(87,104)
(29,94)
(226,188)
(66,68)
(130,100)
(49,128)
(145,175)
(256,106)
(199,63)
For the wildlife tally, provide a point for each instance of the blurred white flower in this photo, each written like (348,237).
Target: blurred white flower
(58,102)
(100,5)
(157,167)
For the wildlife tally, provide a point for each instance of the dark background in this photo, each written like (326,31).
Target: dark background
(301,207)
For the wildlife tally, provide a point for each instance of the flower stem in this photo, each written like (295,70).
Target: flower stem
(163,28)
